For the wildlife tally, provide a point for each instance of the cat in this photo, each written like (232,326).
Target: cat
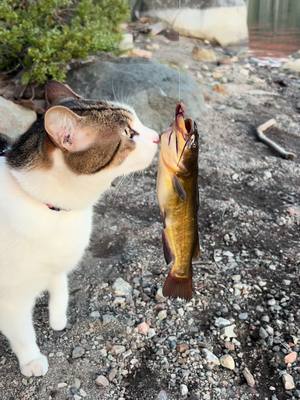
(50,178)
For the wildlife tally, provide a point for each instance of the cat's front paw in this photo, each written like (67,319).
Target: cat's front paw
(36,367)
(58,322)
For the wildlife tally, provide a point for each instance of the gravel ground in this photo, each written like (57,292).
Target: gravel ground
(239,336)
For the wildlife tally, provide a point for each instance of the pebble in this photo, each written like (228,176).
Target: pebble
(202,54)
(263,333)
(143,328)
(151,333)
(159,297)
(227,362)
(222,322)
(182,347)
(118,349)
(121,287)
(271,302)
(249,377)
(212,360)
(291,357)
(162,315)
(228,332)
(288,381)
(102,381)
(61,385)
(112,374)
(243,316)
(78,352)
(162,395)
(184,390)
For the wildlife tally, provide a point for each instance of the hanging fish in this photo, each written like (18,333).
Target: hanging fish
(177,191)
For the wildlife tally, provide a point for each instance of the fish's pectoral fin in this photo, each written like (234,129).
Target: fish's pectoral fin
(178,287)
(167,250)
(196,252)
(179,189)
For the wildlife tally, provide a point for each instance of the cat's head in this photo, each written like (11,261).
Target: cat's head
(71,156)
(94,135)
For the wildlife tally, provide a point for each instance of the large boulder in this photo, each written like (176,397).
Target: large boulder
(14,119)
(151,88)
(223,21)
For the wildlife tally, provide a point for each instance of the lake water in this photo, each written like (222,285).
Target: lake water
(274,27)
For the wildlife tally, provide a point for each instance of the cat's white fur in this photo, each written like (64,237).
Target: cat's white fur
(40,246)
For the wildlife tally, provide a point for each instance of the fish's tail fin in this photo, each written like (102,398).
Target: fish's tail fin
(178,287)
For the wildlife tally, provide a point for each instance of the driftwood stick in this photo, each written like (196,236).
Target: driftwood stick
(260,131)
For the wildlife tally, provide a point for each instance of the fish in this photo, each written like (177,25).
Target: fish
(178,199)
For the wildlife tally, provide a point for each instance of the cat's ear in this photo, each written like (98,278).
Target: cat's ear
(68,130)
(56,91)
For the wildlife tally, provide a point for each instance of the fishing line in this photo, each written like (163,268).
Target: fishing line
(179,72)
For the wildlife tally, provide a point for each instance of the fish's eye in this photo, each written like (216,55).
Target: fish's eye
(130,133)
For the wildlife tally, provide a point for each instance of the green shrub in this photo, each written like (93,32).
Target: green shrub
(38,38)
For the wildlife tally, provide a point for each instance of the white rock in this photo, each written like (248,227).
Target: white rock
(293,65)
(222,322)
(118,349)
(211,359)
(288,382)
(102,381)
(184,390)
(226,25)
(121,287)
(162,315)
(17,118)
(126,42)
(227,362)
(228,332)
(249,377)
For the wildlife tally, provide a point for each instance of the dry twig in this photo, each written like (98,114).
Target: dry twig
(260,131)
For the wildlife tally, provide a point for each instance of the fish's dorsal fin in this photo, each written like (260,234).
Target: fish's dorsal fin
(179,189)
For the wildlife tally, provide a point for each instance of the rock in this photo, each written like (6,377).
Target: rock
(263,333)
(159,297)
(140,53)
(291,357)
(162,315)
(151,333)
(222,322)
(182,347)
(293,65)
(108,319)
(102,381)
(224,21)
(78,352)
(227,362)
(243,316)
(288,381)
(203,54)
(61,385)
(126,42)
(143,328)
(212,360)
(184,390)
(151,88)
(162,395)
(249,377)
(121,287)
(112,374)
(17,118)
(118,349)
(228,332)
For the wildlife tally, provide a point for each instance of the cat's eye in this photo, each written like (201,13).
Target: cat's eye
(130,133)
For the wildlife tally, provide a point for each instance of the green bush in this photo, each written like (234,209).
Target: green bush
(38,38)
